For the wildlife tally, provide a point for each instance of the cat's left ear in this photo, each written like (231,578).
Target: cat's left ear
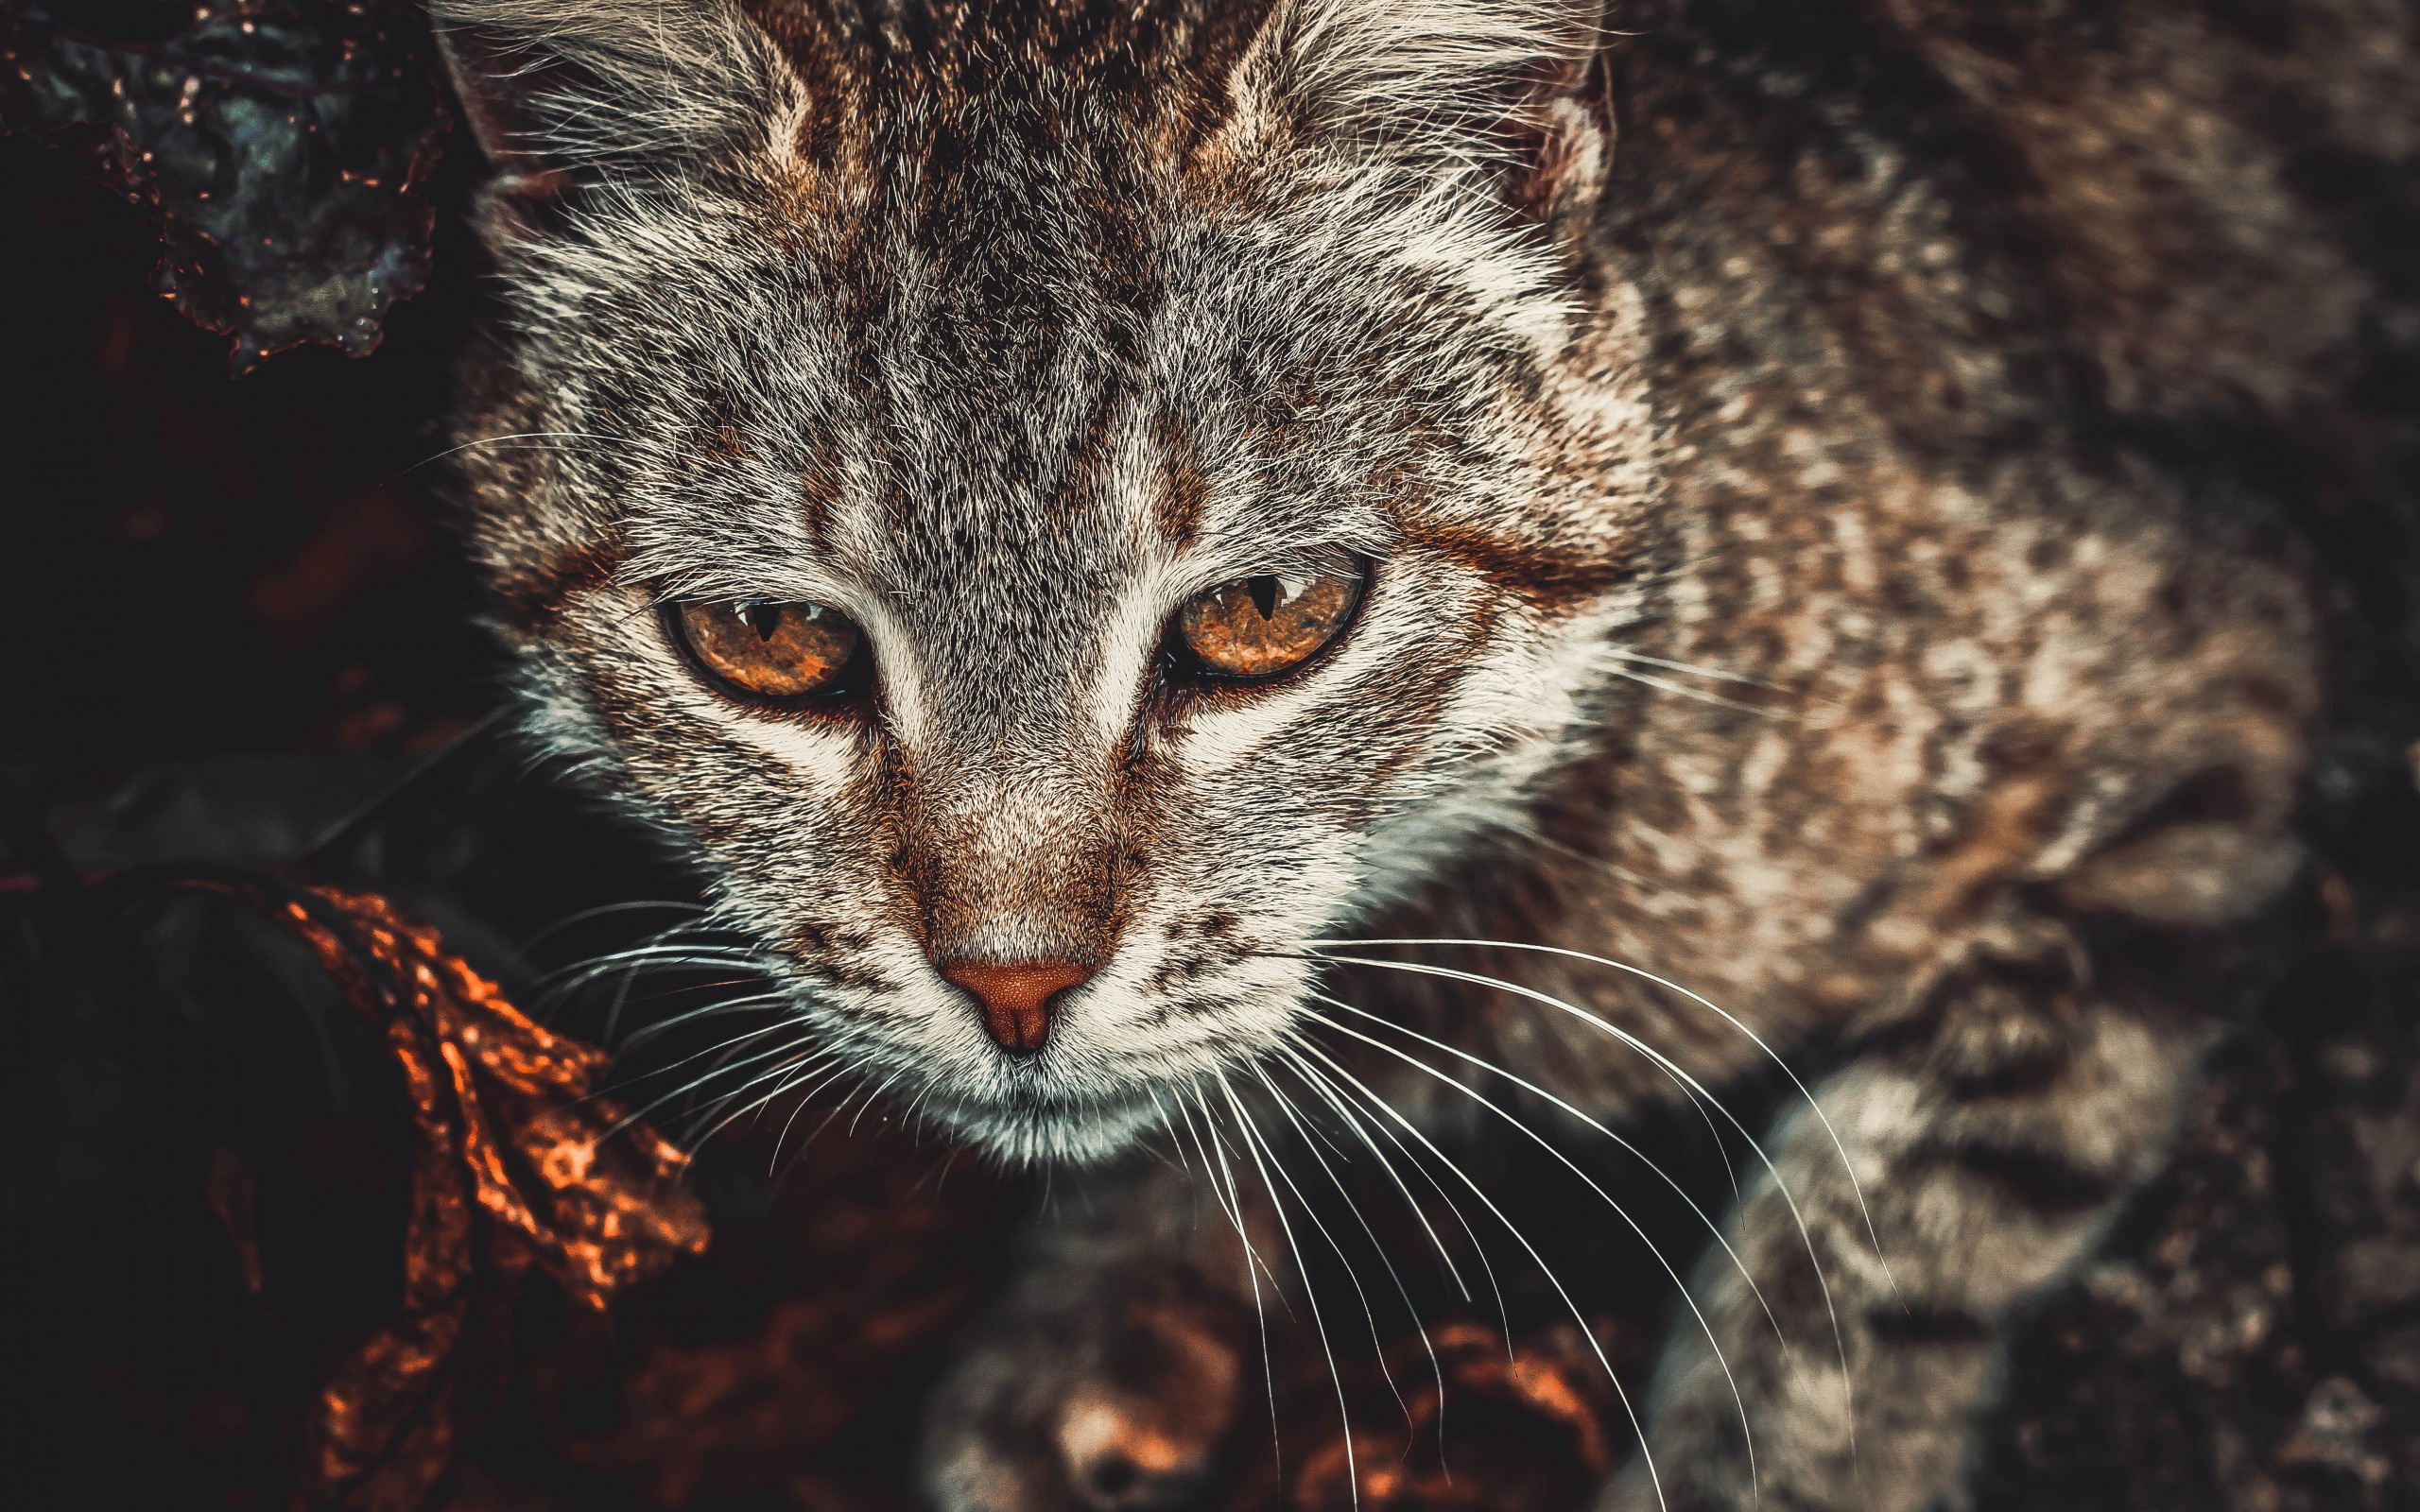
(1513,92)
(561,95)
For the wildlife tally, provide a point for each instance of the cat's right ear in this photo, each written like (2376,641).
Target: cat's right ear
(1507,94)
(561,96)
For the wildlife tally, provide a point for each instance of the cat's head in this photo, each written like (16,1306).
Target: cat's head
(1056,507)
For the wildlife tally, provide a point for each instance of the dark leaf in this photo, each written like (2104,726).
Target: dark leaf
(283,148)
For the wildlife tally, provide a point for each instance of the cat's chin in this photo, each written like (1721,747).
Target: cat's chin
(1034,1132)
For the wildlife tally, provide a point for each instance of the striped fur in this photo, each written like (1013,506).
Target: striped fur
(1747,607)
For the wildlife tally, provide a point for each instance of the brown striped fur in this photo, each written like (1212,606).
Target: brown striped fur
(1772,428)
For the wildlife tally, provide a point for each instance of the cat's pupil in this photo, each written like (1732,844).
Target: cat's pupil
(762,618)
(1263,589)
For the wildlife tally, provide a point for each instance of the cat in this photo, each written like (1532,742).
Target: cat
(1064,513)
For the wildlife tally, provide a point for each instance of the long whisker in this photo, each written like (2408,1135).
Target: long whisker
(698,925)
(560,982)
(875,1096)
(1712,1226)
(1709,673)
(1233,1201)
(624,1086)
(782,1074)
(1699,1099)
(666,954)
(739,1005)
(1230,1198)
(1838,1149)
(1695,1095)
(1683,690)
(654,957)
(563,986)
(1378,1345)
(1738,1402)
(623,441)
(725,1065)
(661,1026)
(829,1119)
(1646,1453)
(1176,1142)
(911,1117)
(837,1069)
(805,1082)
(1309,1075)
(637,1115)
(1806,1237)
(608,910)
(621,1001)
(1310,1294)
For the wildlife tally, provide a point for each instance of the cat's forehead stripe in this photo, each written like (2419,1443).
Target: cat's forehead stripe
(951,55)
(1182,499)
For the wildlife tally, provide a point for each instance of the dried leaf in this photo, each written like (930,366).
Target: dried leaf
(517,1162)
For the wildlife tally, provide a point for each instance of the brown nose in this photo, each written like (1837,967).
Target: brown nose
(1015,996)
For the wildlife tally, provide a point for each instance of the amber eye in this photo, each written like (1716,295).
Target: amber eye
(773,651)
(1261,626)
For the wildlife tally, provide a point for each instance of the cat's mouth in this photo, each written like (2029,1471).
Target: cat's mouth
(1025,1123)
(1101,1076)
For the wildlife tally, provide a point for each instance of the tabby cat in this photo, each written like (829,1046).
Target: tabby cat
(1070,513)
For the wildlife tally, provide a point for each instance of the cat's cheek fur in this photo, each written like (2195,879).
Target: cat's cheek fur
(1527,703)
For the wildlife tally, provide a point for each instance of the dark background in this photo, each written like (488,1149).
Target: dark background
(198,564)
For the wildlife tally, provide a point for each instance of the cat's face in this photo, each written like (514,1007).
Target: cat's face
(987,541)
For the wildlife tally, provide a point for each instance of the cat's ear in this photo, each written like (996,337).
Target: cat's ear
(557,94)
(1515,91)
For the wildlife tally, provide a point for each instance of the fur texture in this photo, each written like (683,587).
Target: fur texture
(1776,588)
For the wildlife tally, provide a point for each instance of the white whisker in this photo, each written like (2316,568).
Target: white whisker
(1285,1106)
(1682,690)
(875,1096)
(1254,1264)
(608,910)
(1708,672)
(1309,1074)
(1245,1132)
(626,443)
(1629,1410)
(815,1069)
(758,1033)
(782,1074)
(838,1068)
(1738,1402)
(637,1115)
(1838,1149)
(661,1026)
(1789,1199)
(1712,1226)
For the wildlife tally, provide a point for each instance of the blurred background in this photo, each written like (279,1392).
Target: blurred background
(198,564)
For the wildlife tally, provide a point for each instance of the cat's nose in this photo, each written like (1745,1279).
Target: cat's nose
(1015,996)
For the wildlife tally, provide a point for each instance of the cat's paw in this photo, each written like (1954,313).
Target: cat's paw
(1120,1402)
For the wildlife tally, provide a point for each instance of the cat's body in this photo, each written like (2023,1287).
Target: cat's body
(1755,597)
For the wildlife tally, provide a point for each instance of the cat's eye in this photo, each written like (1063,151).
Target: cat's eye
(778,653)
(1269,623)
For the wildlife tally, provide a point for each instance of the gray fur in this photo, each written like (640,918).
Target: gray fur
(1745,609)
